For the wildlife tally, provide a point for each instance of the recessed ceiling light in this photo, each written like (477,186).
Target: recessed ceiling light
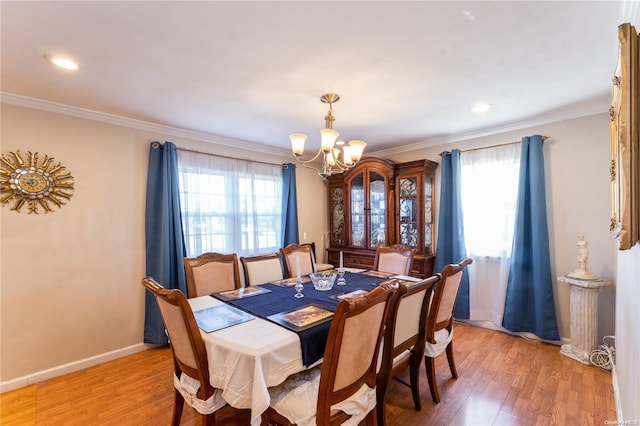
(469,15)
(62,62)
(481,107)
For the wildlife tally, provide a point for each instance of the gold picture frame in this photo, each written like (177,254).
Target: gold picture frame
(624,141)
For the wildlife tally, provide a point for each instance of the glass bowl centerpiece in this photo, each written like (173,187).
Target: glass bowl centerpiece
(323,281)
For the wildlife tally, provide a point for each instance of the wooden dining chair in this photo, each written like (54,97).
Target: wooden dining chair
(439,334)
(319,265)
(343,387)
(211,272)
(404,340)
(191,367)
(297,251)
(396,259)
(261,268)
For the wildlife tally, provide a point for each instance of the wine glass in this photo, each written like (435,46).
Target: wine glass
(341,280)
(298,288)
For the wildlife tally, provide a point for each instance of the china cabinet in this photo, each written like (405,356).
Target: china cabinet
(379,203)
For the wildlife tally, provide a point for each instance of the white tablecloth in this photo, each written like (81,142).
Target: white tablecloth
(246,359)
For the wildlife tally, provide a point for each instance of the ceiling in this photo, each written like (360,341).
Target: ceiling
(407,72)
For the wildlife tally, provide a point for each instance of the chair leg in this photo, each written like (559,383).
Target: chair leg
(452,362)
(178,404)
(380,410)
(209,419)
(371,418)
(414,379)
(272,417)
(429,364)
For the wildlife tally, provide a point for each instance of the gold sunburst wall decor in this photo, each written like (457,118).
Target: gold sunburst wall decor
(32,183)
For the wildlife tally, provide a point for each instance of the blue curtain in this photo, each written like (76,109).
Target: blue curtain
(289,205)
(529,302)
(163,234)
(451,247)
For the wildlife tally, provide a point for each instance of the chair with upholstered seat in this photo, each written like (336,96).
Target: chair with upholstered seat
(191,367)
(319,265)
(396,259)
(439,334)
(404,340)
(211,272)
(291,253)
(343,387)
(261,268)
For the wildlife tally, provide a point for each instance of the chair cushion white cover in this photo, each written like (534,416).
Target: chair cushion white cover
(297,399)
(188,388)
(443,338)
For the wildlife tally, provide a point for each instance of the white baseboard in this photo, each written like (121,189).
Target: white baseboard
(492,326)
(616,395)
(60,370)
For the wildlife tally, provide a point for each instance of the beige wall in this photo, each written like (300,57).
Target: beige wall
(577,171)
(70,293)
(627,334)
(70,280)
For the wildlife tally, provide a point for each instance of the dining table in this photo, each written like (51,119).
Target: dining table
(247,358)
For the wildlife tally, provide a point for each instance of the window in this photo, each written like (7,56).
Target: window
(489,190)
(229,205)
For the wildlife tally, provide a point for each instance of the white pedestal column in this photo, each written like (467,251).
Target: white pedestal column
(583,303)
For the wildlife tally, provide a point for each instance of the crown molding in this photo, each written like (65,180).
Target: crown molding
(88,114)
(40,104)
(541,120)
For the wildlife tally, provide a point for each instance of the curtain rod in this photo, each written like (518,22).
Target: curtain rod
(544,138)
(231,158)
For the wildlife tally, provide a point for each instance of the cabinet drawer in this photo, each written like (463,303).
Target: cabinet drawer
(358,261)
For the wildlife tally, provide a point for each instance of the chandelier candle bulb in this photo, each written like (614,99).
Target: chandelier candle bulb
(297,143)
(346,155)
(331,158)
(328,139)
(357,148)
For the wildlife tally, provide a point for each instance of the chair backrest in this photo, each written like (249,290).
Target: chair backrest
(406,327)
(319,266)
(261,268)
(351,354)
(189,352)
(444,298)
(313,249)
(211,272)
(396,259)
(291,253)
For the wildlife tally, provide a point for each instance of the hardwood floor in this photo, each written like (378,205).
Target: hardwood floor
(503,380)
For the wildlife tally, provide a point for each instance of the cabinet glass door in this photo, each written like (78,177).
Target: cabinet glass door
(357,211)
(377,210)
(428,215)
(408,210)
(337,221)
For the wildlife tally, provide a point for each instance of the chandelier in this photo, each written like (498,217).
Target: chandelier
(332,162)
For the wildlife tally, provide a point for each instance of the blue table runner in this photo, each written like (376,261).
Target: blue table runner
(312,340)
